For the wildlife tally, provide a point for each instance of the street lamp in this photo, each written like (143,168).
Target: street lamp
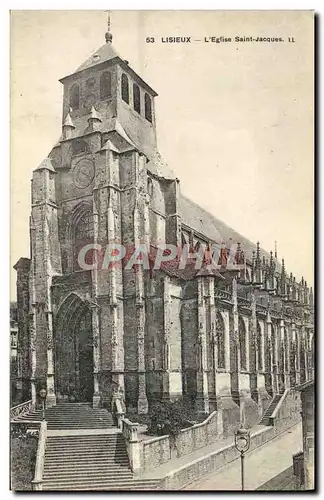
(242,444)
(42,394)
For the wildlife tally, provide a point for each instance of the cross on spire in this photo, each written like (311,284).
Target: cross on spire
(108,35)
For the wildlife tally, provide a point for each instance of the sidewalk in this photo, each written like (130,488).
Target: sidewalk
(261,465)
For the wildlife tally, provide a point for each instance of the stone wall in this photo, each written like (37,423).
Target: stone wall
(287,412)
(197,469)
(155,452)
(199,435)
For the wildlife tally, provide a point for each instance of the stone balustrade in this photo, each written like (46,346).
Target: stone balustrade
(130,433)
(120,413)
(243,302)
(37,483)
(223,295)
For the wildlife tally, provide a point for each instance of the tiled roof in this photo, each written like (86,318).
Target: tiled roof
(214,229)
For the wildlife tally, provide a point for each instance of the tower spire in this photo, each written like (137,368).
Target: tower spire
(108,35)
(276,256)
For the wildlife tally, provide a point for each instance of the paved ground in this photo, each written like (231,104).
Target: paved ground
(261,465)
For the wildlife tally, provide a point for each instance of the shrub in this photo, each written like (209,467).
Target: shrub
(23,458)
(169,417)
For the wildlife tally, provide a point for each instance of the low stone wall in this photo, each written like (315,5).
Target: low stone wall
(287,412)
(155,452)
(198,435)
(212,462)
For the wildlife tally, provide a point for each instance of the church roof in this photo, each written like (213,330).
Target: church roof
(104,54)
(46,165)
(157,166)
(205,223)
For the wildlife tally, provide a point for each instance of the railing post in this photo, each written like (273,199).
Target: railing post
(132,443)
(134,448)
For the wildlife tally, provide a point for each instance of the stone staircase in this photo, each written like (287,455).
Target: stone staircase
(95,458)
(90,462)
(72,416)
(270,410)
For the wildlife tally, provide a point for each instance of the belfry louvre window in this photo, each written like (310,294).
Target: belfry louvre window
(148,108)
(125,88)
(137,98)
(105,85)
(75,97)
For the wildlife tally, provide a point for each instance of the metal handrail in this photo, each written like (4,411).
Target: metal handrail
(21,409)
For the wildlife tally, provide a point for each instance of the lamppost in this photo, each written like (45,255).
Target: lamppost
(242,444)
(42,394)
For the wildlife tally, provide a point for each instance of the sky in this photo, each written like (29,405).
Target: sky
(234,120)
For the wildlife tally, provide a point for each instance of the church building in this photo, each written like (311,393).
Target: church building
(228,337)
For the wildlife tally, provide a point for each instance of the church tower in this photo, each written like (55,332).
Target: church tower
(87,323)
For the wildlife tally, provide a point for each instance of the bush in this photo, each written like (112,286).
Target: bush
(169,417)
(23,459)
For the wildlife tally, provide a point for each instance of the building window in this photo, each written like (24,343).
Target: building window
(75,97)
(150,186)
(242,342)
(125,88)
(105,85)
(83,235)
(220,338)
(148,108)
(259,346)
(273,344)
(137,98)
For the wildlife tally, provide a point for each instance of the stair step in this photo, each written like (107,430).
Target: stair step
(81,474)
(93,456)
(103,487)
(83,466)
(108,482)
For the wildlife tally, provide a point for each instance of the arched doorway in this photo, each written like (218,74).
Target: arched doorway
(73,353)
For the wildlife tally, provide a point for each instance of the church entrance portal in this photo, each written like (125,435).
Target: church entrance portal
(73,355)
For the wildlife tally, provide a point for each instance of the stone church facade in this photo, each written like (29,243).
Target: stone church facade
(223,337)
